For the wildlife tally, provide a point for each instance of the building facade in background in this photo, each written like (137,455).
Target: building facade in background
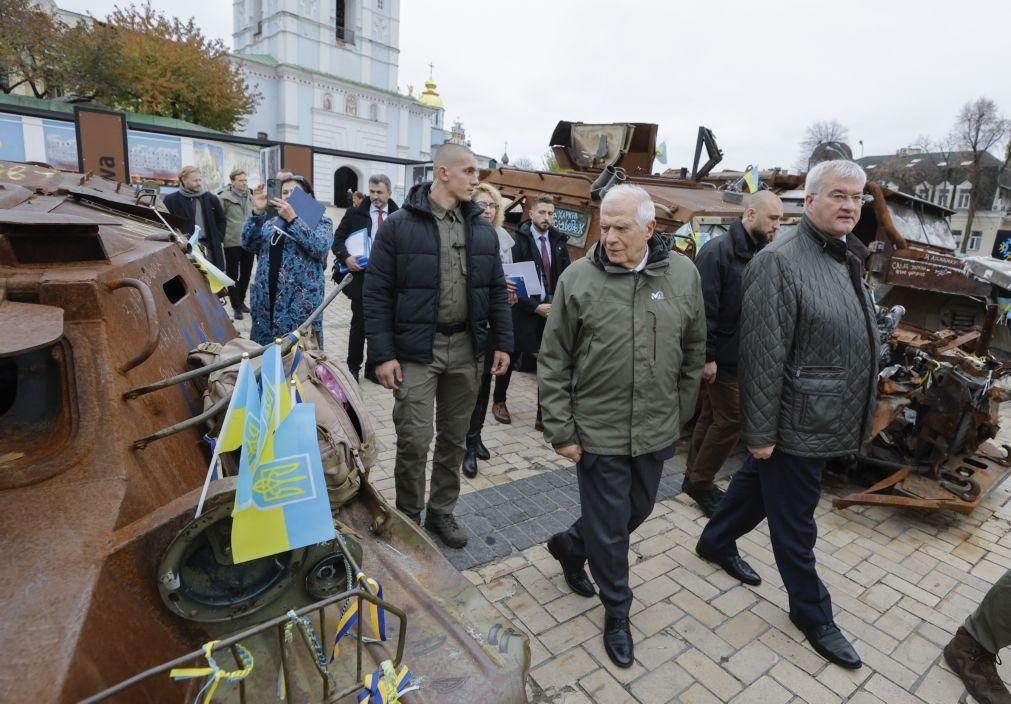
(943,178)
(328,74)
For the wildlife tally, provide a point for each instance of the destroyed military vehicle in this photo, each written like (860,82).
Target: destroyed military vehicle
(109,340)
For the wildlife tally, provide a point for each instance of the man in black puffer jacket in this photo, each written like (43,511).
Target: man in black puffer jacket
(434,294)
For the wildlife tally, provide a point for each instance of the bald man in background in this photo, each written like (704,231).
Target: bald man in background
(435,299)
(721,263)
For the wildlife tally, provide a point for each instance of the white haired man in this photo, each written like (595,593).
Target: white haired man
(619,370)
(808,373)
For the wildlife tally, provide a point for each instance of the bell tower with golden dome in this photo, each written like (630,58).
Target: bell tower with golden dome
(431,99)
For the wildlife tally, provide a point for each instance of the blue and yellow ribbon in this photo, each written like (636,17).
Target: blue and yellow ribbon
(214,673)
(304,624)
(375,616)
(295,359)
(386,685)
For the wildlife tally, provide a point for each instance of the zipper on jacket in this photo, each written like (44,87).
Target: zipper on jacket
(654,337)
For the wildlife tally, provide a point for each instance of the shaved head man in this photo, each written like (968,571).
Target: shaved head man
(435,304)
(763,214)
(721,264)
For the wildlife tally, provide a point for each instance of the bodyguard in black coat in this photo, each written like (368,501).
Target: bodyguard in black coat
(435,302)
(402,289)
(355,219)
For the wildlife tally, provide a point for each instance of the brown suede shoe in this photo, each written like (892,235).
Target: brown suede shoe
(976,667)
(500,413)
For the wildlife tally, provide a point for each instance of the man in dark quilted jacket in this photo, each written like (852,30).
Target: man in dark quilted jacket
(808,370)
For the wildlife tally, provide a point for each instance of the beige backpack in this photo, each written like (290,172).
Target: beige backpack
(347,441)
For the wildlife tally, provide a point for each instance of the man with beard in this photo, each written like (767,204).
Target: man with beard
(539,242)
(368,215)
(618,374)
(808,374)
(721,265)
(198,207)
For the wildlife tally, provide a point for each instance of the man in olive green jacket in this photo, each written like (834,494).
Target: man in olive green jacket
(618,371)
(238,262)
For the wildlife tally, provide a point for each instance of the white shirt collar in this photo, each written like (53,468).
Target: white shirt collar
(642,264)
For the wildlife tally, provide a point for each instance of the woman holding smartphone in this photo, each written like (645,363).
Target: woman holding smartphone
(290,264)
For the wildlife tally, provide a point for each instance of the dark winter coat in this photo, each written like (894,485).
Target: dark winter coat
(528,327)
(402,288)
(354,219)
(215,222)
(808,365)
(721,263)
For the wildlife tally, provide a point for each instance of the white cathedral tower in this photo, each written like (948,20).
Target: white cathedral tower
(327,71)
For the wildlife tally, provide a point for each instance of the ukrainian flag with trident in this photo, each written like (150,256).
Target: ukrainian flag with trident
(241,426)
(281,501)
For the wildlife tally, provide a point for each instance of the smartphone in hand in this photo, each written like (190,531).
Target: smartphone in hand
(273,191)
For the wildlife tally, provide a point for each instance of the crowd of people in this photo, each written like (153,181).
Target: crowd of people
(767,338)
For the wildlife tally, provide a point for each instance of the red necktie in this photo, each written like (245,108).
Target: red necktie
(380,221)
(546,262)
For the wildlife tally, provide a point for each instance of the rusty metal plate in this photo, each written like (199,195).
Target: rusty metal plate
(24,216)
(907,489)
(32,176)
(932,271)
(28,326)
(12,195)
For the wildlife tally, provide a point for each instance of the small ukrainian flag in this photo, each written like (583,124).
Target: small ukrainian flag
(281,501)
(751,178)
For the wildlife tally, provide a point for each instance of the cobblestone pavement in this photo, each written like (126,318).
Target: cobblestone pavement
(901,583)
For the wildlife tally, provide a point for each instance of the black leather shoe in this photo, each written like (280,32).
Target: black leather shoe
(707,500)
(575,575)
(237,313)
(829,642)
(470,463)
(482,452)
(733,565)
(245,308)
(618,641)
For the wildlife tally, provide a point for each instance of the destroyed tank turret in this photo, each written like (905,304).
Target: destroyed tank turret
(107,573)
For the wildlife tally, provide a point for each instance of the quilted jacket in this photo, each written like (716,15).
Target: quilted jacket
(622,354)
(808,367)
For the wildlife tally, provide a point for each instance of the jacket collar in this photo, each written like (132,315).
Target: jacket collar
(835,247)
(527,228)
(417,201)
(744,247)
(658,259)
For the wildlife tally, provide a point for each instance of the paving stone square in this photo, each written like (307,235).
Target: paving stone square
(901,582)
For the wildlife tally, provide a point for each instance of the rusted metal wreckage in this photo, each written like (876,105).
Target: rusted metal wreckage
(937,410)
(107,573)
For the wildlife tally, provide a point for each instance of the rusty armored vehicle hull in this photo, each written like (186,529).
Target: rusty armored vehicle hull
(98,486)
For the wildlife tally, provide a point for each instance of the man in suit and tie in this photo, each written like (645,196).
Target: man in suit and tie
(369,215)
(539,242)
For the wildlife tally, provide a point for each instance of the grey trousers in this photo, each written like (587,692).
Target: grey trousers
(990,623)
(447,390)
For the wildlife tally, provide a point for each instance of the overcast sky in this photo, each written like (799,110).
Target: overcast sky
(756,73)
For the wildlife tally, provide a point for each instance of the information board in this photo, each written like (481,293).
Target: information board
(573,223)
